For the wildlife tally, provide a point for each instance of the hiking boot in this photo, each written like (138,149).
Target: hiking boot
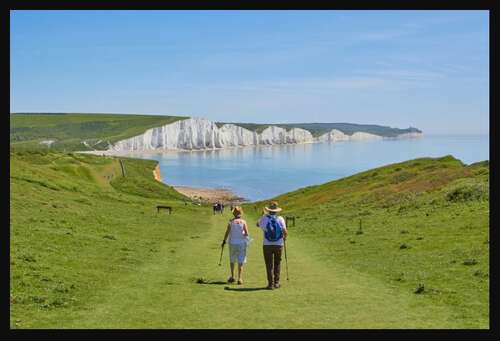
(276,285)
(230,280)
(269,287)
(240,281)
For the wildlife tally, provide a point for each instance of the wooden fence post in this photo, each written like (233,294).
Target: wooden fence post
(122,166)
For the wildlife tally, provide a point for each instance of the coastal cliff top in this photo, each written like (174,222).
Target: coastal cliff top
(317,129)
(80,132)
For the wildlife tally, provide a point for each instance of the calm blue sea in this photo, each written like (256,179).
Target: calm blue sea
(262,172)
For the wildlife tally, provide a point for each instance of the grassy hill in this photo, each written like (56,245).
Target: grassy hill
(89,250)
(420,226)
(69,131)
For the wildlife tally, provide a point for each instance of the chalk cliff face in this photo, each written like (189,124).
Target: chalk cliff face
(336,135)
(412,135)
(333,136)
(359,135)
(202,134)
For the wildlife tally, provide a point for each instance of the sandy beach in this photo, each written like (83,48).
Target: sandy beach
(210,195)
(204,195)
(156,173)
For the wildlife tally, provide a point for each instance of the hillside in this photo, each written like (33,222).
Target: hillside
(89,250)
(76,223)
(421,226)
(70,131)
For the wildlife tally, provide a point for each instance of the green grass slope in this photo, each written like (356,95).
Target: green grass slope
(89,250)
(76,223)
(70,130)
(421,227)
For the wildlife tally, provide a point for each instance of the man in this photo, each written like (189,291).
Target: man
(275,232)
(216,207)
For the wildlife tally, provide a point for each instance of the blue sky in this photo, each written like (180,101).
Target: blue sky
(427,69)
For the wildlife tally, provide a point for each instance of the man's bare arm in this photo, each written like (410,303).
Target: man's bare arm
(285,229)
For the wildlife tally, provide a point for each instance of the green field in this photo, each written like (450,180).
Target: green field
(89,250)
(69,131)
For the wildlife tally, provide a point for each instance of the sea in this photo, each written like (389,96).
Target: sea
(262,172)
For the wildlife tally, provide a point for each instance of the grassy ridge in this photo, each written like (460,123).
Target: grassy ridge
(421,226)
(70,130)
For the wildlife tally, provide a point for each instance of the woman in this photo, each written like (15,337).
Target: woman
(237,230)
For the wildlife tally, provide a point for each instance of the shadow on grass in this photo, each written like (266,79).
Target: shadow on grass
(213,282)
(244,289)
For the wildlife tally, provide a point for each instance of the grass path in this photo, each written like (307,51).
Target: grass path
(164,293)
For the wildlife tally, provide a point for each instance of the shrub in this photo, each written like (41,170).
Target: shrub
(468,192)
(401,177)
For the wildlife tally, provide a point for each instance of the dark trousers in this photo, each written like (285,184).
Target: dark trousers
(272,257)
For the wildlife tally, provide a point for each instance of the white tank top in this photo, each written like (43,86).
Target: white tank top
(236,235)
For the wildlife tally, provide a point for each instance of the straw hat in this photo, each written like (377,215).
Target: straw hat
(237,211)
(273,207)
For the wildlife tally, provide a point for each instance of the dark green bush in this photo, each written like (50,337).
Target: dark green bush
(468,192)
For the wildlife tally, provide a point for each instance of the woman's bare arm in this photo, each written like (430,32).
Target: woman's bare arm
(245,229)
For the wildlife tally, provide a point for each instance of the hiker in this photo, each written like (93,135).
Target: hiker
(221,208)
(275,232)
(237,230)
(216,207)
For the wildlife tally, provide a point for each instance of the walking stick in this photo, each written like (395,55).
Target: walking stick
(221,250)
(286,260)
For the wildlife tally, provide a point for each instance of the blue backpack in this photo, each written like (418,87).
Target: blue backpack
(273,231)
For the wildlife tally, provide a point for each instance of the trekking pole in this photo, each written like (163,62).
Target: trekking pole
(286,260)
(221,250)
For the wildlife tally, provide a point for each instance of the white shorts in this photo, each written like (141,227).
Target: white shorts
(238,253)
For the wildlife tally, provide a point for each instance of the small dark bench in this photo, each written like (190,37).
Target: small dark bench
(159,207)
(291,219)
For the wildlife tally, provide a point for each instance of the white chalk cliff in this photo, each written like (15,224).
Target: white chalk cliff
(202,134)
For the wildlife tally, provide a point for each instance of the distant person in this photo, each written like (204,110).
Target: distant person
(237,230)
(216,207)
(275,232)
(221,208)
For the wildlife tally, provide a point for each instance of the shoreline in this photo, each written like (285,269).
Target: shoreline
(157,174)
(203,195)
(210,195)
